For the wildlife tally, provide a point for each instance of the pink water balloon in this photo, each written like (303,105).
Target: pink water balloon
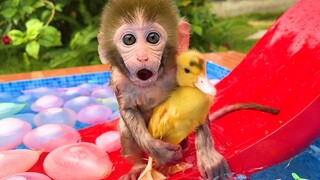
(51,136)
(27,176)
(56,116)
(12,131)
(17,161)
(46,102)
(94,114)
(109,141)
(78,161)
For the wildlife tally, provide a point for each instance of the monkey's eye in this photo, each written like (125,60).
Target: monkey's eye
(153,38)
(186,70)
(128,39)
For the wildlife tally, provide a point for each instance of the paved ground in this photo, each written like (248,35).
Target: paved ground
(238,7)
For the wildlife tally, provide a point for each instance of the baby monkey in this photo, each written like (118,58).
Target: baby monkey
(141,39)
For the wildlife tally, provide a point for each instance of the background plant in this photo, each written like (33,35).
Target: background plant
(43,34)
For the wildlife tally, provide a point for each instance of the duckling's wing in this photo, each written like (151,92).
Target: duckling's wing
(161,120)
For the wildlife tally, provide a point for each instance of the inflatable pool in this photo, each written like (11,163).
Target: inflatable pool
(282,71)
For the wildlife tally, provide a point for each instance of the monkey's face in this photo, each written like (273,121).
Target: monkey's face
(141,47)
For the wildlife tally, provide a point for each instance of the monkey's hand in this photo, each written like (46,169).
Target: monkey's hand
(164,153)
(210,162)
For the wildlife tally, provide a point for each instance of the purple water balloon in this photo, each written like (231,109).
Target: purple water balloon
(51,136)
(12,131)
(46,102)
(80,102)
(94,114)
(110,102)
(56,116)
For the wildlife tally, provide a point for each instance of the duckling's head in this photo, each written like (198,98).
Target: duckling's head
(191,71)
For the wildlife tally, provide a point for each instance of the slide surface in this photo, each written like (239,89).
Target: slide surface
(282,71)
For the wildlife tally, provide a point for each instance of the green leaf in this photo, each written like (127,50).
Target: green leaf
(58,7)
(17,37)
(34,27)
(33,49)
(50,37)
(197,29)
(15,3)
(38,4)
(9,13)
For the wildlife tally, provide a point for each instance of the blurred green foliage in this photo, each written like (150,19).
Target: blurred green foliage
(62,33)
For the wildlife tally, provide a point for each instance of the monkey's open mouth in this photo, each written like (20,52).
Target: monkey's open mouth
(144,74)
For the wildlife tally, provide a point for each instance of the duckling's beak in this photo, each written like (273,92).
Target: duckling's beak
(205,86)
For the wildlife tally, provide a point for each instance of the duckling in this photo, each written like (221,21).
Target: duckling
(185,109)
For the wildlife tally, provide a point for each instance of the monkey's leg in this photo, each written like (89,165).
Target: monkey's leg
(131,151)
(129,148)
(210,162)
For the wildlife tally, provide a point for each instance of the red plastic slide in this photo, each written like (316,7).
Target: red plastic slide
(282,71)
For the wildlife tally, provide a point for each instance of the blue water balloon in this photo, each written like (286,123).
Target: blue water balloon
(110,102)
(56,115)
(40,91)
(80,102)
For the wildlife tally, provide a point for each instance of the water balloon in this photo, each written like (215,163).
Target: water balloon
(46,102)
(9,109)
(109,141)
(25,99)
(12,131)
(51,136)
(27,117)
(27,176)
(88,86)
(17,161)
(115,115)
(94,114)
(110,102)
(80,102)
(70,93)
(102,93)
(78,161)
(40,91)
(56,115)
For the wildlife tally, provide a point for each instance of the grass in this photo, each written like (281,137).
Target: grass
(234,39)
(243,26)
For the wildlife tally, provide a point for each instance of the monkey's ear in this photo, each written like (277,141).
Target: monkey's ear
(183,35)
(101,51)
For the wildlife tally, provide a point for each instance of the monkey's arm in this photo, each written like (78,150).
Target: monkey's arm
(164,153)
(210,162)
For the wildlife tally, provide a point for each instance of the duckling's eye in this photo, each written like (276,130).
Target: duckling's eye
(186,70)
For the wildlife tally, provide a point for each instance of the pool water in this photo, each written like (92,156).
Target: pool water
(306,164)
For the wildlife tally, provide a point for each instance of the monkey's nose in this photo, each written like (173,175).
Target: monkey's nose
(144,74)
